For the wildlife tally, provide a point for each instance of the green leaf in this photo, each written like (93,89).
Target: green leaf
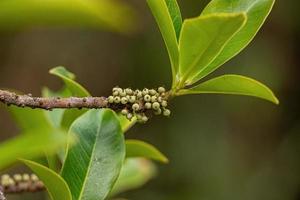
(164,19)
(57,187)
(75,89)
(175,14)
(92,166)
(202,39)
(257,12)
(233,84)
(69,79)
(136,148)
(31,145)
(15,14)
(135,173)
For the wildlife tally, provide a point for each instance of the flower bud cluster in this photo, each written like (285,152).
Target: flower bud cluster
(21,183)
(141,104)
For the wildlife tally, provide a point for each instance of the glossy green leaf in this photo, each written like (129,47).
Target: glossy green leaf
(175,14)
(257,12)
(233,84)
(57,187)
(92,166)
(75,89)
(164,19)
(137,148)
(31,145)
(135,173)
(202,39)
(69,79)
(16,14)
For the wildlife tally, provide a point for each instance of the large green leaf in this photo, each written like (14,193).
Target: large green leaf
(71,13)
(57,187)
(92,165)
(233,84)
(135,173)
(31,145)
(164,19)
(202,39)
(257,12)
(137,148)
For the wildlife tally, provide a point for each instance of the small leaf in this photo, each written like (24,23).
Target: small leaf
(136,148)
(257,12)
(135,173)
(31,145)
(175,14)
(15,14)
(57,187)
(161,12)
(233,84)
(75,88)
(92,166)
(202,39)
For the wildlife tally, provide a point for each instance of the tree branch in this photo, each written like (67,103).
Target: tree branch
(11,98)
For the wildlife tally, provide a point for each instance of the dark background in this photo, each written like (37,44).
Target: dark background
(220,147)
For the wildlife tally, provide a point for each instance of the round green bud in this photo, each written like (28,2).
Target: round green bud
(148,105)
(159,99)
(167,112)
(153,99)
(124,100)
(116,93)
(147,98)
(139,94)
(129,91)
(129,116)
(117,99)
(152,92)
(122,93)
(5,177)
(11,182)
(139,117)
(5,182)
(132,99)
(34,177)
(26,177)
(164,103)
(124,112)
(135,107)
(145,119)
(18,177)
(145,91)
(116,89)
(158,112)
(155,105)
(161,90)
(110,99)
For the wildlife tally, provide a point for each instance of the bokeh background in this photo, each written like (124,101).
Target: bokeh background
(220,147)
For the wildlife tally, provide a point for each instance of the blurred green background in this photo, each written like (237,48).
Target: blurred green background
(220,147)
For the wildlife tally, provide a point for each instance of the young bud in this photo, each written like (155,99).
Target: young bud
(122,93)
(145,91)
(117,99)
(161,90)
(153,99)
(110,99)
(167,112)
(148,105)
(18,177)
(124,100)
(128,91)
(26,177)
(124,112)
(129,116)
(116,93)
(155,105)
(158,112)
(159,99)
(135,107)
(164,103)
(147,98)
(34,177)
(132,99)
(152,92)
(144,119)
